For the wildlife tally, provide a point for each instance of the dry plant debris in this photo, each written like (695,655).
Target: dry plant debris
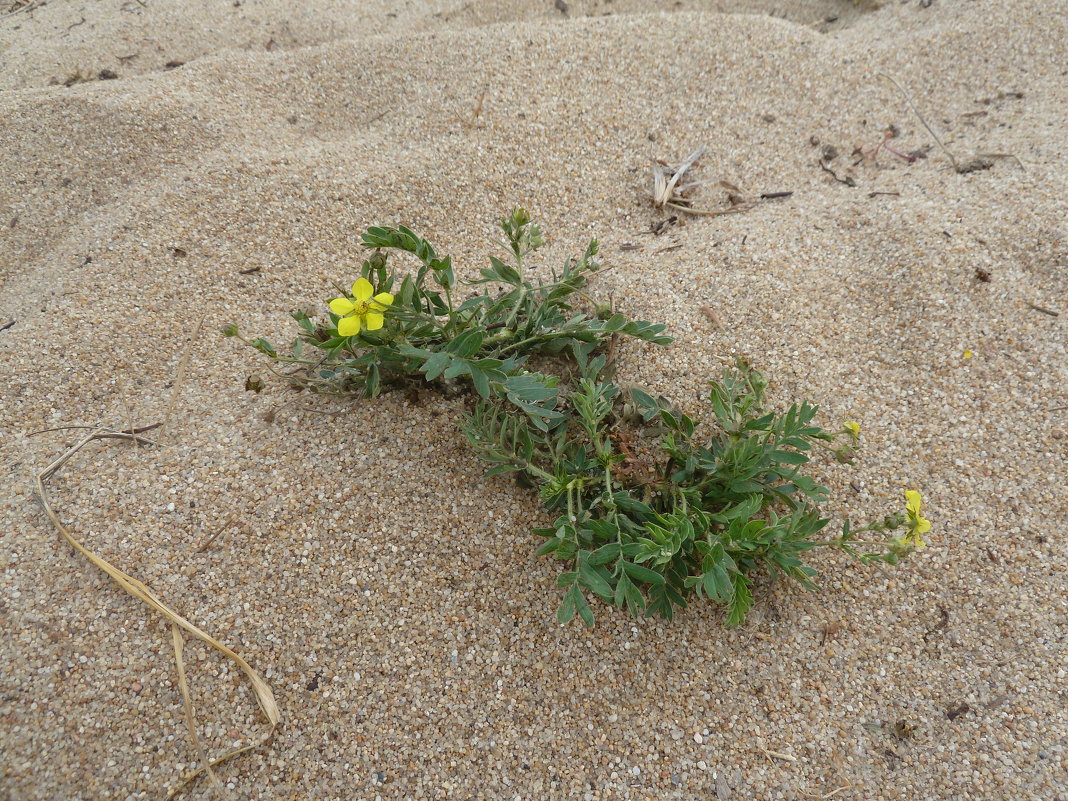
(139,590)
(671,192)
(980,161)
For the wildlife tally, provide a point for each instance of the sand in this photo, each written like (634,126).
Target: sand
(387,592)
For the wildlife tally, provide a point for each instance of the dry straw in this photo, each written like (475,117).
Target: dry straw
(670,193)
(139,590)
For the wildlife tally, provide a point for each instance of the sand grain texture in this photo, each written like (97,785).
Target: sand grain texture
(390,595)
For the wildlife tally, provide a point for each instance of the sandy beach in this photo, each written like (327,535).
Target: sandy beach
(166,166)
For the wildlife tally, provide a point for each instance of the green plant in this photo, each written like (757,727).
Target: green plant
(648,513)
(423,331)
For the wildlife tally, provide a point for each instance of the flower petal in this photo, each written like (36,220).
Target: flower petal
(362,289)
(349,326)
(384,298)
(913,500)
(922,526)
(373,320)
(341,306)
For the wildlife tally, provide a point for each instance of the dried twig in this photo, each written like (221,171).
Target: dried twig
(105,433)
(1044,310)
(226,524)
(214,763)
(980,161)
(667,193)
(129,418)
(264,696)
(714,212)
(187,703)
(848,180)
(831,794)
(30,6)
(778,755)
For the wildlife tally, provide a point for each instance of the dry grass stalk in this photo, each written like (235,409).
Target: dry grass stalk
(190,715)
(669,193)
(264,696)
(19,6)
(665,180)
(129,417)
(831,794)
(980,161)
(214,764)
(778,755)
(211,538)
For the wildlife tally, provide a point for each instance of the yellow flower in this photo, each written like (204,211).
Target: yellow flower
(967,354)
(917,524)
(853,428)
(361,311)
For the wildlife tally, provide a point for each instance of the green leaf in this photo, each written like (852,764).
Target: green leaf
(467,344)
(760,424)
(789,457)
(566,612)
(435,365)
(593,580)
(471,303)
(669,419)
(584,611)
(531,387)
(480,380)
(741,602)
(643,574)
(263,346)
(717,584)
(548,547)
(503,272)
(626,503)
(373,383)
(458,367)
(605,554)
(630,596)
